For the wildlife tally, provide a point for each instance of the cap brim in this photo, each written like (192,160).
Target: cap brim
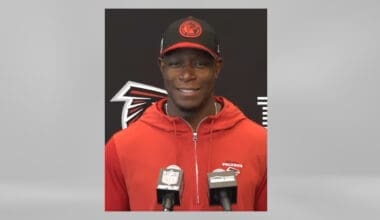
(190,45)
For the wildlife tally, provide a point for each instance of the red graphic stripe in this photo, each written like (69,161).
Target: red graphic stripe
(138,101)
(146,94)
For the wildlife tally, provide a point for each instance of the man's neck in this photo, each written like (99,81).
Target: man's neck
(194,117)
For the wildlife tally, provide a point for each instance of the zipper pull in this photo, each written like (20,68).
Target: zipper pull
(195,136)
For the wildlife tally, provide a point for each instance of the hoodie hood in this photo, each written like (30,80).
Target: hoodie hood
(228,117)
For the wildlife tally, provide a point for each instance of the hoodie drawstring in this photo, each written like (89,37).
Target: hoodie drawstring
(178,144)
(211,146)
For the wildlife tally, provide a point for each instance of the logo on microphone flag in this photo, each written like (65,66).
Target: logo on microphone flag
(170,177)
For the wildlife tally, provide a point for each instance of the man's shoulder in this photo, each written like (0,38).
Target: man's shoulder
(256,134)
(134,130)
(251,125)
(255,124)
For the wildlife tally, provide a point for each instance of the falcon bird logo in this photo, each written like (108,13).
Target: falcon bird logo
(137,98)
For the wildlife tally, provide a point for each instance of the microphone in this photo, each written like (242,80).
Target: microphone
(169,187)
(222,188)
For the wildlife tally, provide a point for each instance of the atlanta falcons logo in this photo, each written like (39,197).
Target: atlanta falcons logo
(137,97)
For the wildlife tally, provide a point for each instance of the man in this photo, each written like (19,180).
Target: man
(192,128)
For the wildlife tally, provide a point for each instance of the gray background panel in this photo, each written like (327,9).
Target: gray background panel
(323,103)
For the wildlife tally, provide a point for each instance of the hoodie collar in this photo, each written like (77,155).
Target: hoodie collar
(229,116)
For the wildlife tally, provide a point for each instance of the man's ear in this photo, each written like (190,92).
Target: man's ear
(218,66)
(160,64)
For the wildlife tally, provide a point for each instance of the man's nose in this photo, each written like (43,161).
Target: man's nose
(187,71)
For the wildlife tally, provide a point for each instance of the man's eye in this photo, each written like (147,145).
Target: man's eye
(174,64)
(201,64)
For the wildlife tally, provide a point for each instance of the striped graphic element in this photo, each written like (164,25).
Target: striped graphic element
(263,102)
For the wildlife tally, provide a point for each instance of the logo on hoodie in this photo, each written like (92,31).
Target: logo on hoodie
(136,97)
(233,166)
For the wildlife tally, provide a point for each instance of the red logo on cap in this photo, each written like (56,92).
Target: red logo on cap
(190,28)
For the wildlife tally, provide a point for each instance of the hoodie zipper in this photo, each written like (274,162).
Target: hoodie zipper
(195,140)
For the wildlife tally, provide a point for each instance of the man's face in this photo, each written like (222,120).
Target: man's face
(189,77)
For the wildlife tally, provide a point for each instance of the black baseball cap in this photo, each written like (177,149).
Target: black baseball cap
(190,32)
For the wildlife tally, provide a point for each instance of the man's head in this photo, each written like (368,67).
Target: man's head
(190,63)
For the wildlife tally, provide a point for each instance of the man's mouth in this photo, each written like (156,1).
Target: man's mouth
(188,91)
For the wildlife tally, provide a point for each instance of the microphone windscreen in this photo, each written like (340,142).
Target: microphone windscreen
(170,180)
(219,181)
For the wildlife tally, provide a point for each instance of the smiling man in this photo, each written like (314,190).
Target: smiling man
(189,77)
(192,129)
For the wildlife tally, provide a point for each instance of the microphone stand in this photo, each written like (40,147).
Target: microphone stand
(225,201)
(168,202)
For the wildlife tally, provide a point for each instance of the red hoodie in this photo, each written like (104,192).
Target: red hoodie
(228,140)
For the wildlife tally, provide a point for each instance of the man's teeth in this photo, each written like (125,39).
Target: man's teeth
(188,90)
